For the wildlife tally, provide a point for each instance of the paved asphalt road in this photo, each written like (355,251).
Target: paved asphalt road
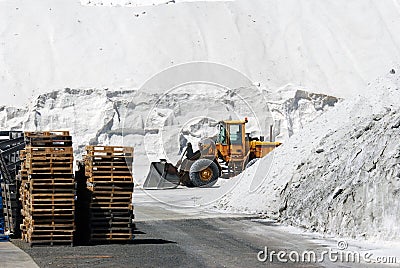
(214,242)
(175,237)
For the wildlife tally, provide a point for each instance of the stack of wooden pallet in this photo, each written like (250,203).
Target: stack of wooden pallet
(110,184)
(47,188)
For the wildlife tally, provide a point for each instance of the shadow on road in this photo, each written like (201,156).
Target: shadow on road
(151,241)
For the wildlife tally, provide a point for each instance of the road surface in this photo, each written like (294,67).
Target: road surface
(173,236)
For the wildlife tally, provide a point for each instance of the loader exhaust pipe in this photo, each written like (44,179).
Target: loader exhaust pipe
(271,138)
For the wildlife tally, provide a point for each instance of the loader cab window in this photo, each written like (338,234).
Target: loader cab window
(222,134)
(235,134)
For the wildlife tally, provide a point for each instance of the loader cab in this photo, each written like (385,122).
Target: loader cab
(231,132)
(231,139)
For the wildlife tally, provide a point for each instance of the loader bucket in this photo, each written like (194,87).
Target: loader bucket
(162,175)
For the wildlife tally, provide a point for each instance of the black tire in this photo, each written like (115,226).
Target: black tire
(184,179)
(204,173)
(251,162)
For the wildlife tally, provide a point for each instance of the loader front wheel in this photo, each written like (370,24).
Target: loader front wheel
(203,173)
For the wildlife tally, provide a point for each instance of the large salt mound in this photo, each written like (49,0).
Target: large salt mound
(158,125)
(339,175)
(332,47)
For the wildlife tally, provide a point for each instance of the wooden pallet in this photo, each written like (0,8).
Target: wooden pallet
(51,191)
(126,196)
(55,197)
(60,176)
(104,224)
(109,151)
(110,191)
(53,211)
(52,200)
(110,168)
(49,234)
(50,142)
(105,236)
(111,181)
(110,205)
(33,161)
(39,151)
(107,161)
(50,163)
(125,162)
(57,170)
(48,139)
(50,239)
(53,227)
(45,219)
(51,181)
(108,212)
(110,218)
(120,165)
(107,230)
(109,172)
(41,134)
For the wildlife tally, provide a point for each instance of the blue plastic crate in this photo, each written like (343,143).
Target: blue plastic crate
(3,237)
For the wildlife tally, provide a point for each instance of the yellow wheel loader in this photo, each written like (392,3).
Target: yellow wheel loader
(227,155)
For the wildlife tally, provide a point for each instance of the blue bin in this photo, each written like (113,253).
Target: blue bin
(2,236)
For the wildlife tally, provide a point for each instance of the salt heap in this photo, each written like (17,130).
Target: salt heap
(339,175)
